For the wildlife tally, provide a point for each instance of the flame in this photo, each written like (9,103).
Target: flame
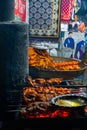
(57,113)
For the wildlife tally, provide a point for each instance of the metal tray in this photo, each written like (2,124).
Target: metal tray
(36,72)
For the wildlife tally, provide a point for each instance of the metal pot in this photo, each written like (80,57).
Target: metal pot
(77,106)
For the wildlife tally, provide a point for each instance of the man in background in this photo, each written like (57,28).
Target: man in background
(80,50)
(69,44)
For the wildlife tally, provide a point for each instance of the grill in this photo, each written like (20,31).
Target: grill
(12,119)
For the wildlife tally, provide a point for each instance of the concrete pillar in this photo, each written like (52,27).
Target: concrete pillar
(13,53)
(7,10)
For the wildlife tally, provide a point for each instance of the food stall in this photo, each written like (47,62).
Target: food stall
(35,105)
(37,83)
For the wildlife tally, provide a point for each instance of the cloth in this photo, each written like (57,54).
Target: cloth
(20,10)
(66,10)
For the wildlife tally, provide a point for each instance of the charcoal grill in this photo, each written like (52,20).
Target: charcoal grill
(14,121)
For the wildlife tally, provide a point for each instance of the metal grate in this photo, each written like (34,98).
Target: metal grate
(14,103)
(14,97)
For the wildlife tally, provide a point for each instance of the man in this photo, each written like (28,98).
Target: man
(69,43)
(80,50)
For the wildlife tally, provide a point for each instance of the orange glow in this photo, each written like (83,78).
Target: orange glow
(57,113)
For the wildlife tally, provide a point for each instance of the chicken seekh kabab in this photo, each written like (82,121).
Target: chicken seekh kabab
(41,89)
(42,81)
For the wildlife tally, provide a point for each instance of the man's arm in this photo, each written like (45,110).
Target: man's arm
(65,42)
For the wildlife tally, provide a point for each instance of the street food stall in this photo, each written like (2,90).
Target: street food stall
(37,90)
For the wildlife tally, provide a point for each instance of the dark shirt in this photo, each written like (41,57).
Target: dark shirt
(81,49)
(69,43)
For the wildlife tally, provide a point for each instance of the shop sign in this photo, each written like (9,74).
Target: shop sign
(20,10)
